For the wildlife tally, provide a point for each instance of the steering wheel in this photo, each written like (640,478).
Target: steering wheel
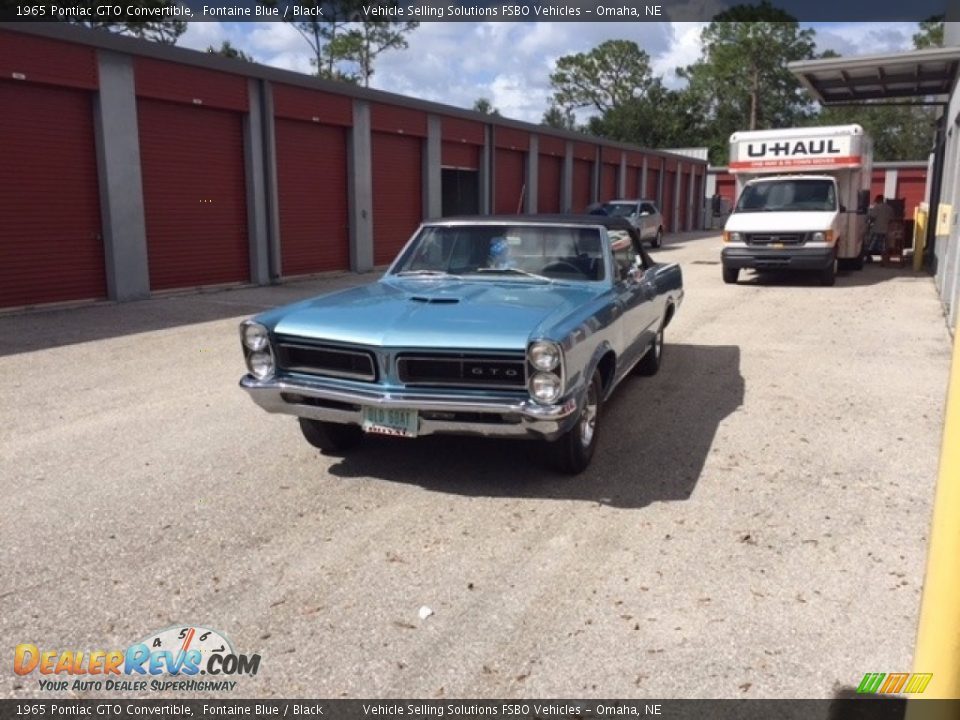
(562,266)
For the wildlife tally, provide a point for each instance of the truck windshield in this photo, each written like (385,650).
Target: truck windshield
(793,194)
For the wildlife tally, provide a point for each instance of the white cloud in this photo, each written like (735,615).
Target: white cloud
(510,63)
(865,38)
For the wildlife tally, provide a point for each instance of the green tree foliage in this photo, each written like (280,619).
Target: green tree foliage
(898,132)
(613,73)
(741,80)
(930,33)
(482,105)
(321,23)
(559,119)
(363,42)
(228,50)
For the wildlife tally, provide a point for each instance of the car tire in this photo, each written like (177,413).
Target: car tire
(657,239)
(651,362)
(571,453)
(330,438)
(731,275)
(828,276)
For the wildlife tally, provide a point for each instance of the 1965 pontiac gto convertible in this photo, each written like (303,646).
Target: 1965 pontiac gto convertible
(513,327)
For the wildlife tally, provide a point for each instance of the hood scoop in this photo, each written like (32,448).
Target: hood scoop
(435,300)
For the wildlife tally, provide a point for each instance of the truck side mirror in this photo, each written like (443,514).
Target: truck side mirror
(863,202)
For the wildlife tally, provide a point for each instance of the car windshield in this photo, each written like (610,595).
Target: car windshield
(616,209)
(788,195)
(523,252)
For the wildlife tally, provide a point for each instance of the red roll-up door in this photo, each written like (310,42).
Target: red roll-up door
(509,182)
(581,185)
(312,191)
(653,185)
(397,193)
(878,180)
(669,183)
(461,156)
(194,194)
(549,175)
(727,187)
(608,182)
(911,186)
(50,233)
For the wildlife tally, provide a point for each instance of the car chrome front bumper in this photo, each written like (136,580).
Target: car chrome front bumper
(438,414)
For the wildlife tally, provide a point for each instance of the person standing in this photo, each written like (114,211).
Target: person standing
(878,221)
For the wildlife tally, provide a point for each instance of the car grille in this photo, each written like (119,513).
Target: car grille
(776,239)
(326,360)
(462,370)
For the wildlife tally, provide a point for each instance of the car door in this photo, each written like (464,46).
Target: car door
(634,297)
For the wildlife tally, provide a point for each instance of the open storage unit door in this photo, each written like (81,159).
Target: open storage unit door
(550,174)
(460,151)
(509,170)
(397,150)
(194,186)
(683,222)
(51,249)
(311,150)
(669,193)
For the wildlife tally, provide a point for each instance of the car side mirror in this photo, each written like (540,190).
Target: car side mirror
(863,202)
(843,208)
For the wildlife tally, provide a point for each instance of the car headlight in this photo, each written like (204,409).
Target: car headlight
(254,335)
(261,364)
(732,237)
(544,356)
(545,387)
(826,236)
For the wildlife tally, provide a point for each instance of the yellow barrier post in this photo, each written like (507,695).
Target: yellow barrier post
(919,235)
(938,636)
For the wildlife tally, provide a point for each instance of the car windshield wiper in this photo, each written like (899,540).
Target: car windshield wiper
(515,271)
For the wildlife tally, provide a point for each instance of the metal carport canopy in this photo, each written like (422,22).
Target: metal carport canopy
(920,73)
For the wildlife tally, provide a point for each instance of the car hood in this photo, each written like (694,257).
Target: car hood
(445,313)
(807,221)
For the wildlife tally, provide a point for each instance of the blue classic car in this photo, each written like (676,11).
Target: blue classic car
(496,326)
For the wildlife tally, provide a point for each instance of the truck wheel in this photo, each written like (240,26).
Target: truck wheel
(828,276)
(657,239)
(650,364)
(730,275)
(571,453)
(330,438)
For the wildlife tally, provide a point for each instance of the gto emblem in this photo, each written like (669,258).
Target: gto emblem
(493,372)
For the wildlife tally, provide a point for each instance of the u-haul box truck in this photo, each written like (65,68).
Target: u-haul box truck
(802,196)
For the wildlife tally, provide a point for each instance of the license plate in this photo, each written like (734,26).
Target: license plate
(399,422)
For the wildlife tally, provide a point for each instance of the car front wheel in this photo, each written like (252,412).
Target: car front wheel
(731,275)
(657,239)
(330,438)
(571,452)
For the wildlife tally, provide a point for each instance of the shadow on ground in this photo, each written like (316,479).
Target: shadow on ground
(871,275)
(656,434)
(46,328)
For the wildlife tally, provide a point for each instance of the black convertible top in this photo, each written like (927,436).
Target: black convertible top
(611,223)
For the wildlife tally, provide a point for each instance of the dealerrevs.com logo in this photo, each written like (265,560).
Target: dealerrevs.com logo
(170,659)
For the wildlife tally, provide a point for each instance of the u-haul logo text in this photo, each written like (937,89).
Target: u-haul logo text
(793,148)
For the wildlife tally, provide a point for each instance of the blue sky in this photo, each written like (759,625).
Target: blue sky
(509,63)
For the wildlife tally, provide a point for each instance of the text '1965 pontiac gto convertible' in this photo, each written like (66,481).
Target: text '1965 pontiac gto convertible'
(515,327)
